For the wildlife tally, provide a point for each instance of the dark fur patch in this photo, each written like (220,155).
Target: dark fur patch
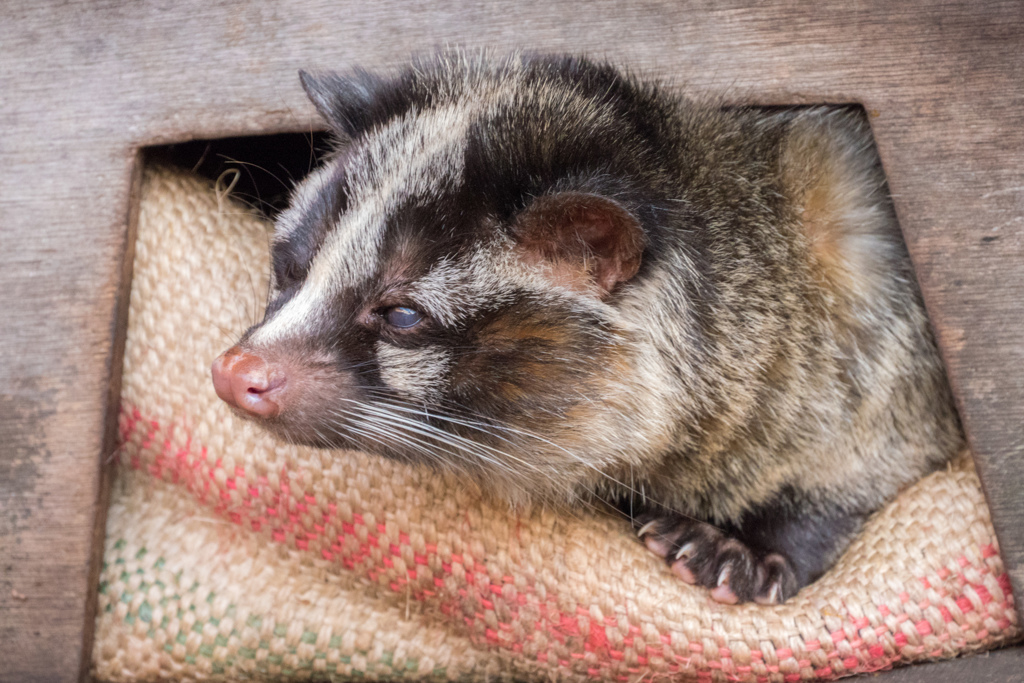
(515,363)
(292,256)
(809,536)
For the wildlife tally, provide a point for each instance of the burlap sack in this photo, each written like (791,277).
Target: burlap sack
(230,555)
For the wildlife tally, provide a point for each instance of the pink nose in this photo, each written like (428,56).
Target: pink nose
(246,381)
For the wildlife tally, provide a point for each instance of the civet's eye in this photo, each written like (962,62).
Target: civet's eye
(402,317)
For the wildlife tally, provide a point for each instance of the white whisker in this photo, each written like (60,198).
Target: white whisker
(388,420)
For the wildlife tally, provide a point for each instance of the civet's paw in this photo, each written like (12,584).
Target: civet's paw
(706,556)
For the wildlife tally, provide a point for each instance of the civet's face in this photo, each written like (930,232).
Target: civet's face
(444,289)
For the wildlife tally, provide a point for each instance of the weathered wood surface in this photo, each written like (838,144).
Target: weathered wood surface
(1001,666)
(83,85)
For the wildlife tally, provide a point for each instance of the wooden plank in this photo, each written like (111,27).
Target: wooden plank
(1000,666)
(86,84)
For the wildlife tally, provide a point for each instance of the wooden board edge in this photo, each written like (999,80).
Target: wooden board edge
(994,666)
(115,366)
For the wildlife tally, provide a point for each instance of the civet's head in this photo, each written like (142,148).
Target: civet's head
(448,286)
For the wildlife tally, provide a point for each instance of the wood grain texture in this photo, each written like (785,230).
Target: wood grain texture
(86,84)
(1000,666)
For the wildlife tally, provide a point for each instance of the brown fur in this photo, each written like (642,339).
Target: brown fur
(625,295)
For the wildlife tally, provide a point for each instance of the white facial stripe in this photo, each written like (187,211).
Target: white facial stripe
(491,276)
(415,373)
(303,197)
(455,290)
(405,160)
(299,318)
(503,265)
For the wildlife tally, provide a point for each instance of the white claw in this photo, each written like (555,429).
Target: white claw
(646,527)
(723,578)
(773,594)
(685,551)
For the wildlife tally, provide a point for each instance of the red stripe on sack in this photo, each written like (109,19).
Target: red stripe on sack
(190,468)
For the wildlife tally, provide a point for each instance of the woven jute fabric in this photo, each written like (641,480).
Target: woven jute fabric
(232,556)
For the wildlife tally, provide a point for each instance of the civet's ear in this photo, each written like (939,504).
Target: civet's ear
(589,242)
(344,102)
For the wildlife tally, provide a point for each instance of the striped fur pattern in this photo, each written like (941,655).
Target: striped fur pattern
(742,343)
